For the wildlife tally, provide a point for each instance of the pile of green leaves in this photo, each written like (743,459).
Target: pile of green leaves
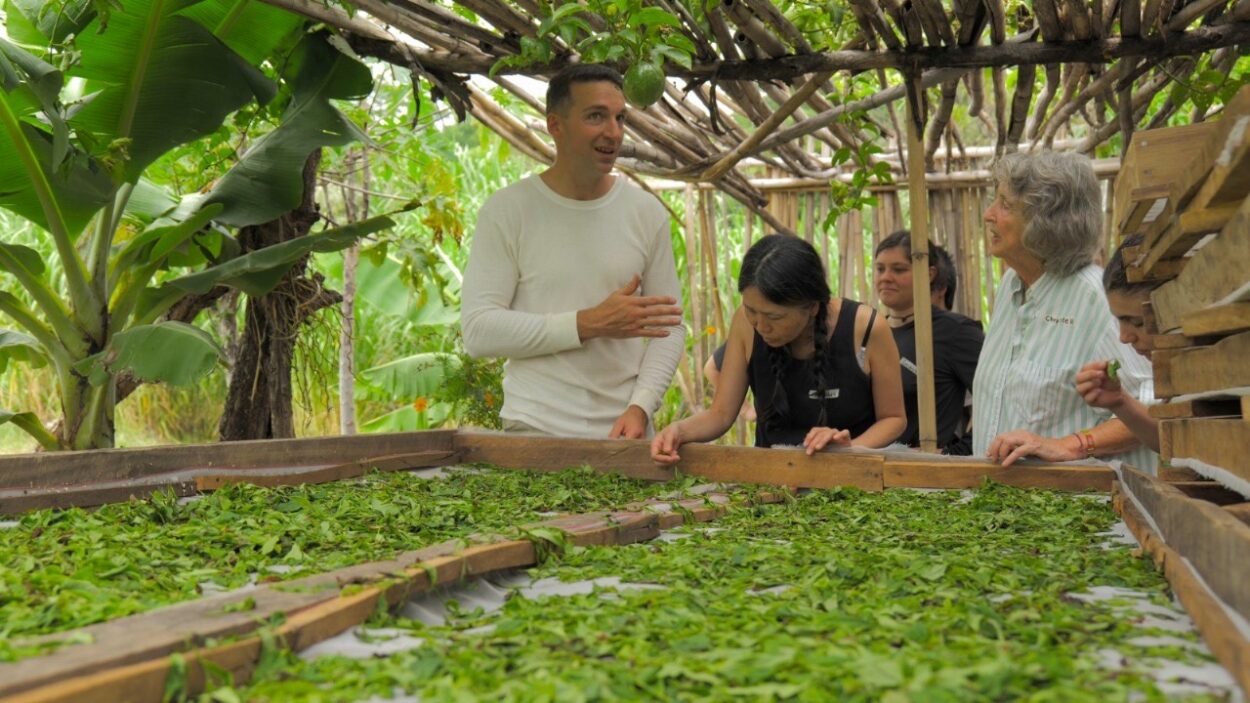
(69,568)
(893,596)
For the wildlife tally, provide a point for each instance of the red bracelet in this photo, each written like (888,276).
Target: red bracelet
(1081,441)
(1089,443)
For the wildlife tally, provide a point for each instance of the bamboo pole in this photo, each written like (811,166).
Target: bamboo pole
(825,205)
(707,230)
(809,218)
(696,314)
(862,276)
(918,194)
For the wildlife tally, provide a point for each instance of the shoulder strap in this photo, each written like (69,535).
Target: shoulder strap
(872,317)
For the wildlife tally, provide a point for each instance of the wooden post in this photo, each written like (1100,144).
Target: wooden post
(919,198)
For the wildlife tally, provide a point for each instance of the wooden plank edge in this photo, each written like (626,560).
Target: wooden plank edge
(1211,616)
(14,501)
(74,468)
(353,469)
(1208,490)
(1217,545)
(752,465)
(1241,511)
(958,475)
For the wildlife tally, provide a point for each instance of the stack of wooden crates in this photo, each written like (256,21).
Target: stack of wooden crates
(1187,191)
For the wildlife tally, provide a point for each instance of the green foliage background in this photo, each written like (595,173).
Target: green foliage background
(411,371)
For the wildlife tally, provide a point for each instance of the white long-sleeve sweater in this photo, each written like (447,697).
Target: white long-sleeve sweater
(536,259)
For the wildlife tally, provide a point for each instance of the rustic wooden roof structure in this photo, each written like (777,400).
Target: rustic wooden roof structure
(758,86)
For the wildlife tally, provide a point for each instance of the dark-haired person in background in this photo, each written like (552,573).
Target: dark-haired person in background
(571,277)
(822,371)
(942,279)
(956,342)
(1095,385)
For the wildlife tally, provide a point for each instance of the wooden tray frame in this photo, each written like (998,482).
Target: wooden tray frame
(118,666)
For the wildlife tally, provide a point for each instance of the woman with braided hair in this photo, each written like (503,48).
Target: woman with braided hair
(820,369)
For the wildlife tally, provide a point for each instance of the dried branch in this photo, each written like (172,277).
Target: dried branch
(1191,12)
(1130,18)
(768,11)
(1020,105)
(1000,111)
(1011,53)
(1038,114)
(774,120)
(750,27)
(872,20)
(940,119)
(1078,19)
(973,17)
(1048,20)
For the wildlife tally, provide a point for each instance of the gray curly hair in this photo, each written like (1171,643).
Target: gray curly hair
(1060,200)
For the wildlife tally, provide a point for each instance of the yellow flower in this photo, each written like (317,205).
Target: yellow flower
(420,404)
(711,330)
(489,399)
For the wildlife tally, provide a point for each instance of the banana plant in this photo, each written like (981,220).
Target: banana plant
(151,76)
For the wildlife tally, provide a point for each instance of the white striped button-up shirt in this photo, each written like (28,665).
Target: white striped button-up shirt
(1026,375)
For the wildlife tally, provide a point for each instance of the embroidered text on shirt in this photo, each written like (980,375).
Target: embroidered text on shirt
(1059,320)
(830,393)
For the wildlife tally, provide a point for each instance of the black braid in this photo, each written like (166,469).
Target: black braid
(787,271)
(777,410)
(820,330)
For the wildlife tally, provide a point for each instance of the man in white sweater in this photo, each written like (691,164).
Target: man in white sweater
(571,277)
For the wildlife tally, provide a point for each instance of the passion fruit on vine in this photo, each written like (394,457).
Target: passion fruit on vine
(644,84)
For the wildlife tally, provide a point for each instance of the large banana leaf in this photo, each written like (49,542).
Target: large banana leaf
(257,273)
(412,377)
(43,83)
(164,80)
(36,22)
(383,288)
(26,257)
(253,29)
(168,352)
(268,180)
(16,346)
(29,153)
(155,243)
(409,419)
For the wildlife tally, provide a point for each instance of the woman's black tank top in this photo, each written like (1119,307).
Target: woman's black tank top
(848,394)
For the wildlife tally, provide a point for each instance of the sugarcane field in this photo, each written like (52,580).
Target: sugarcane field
(624,350)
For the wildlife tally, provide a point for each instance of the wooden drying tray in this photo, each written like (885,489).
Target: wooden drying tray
(128,660)
(1204,551)
(58,480)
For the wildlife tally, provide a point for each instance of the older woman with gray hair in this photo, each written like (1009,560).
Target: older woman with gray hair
(1050,317)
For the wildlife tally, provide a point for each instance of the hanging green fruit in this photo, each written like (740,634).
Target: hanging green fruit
(644,84)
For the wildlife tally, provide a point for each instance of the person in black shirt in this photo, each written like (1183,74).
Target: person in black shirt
(956,341)
(822,373)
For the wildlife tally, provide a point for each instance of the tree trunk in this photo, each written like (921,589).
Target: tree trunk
(258,403)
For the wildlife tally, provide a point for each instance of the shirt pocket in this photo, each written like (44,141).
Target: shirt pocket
(1040,392)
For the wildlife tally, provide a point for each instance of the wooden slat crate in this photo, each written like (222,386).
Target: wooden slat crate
(1155,161)
(1201,201)
(1199,245)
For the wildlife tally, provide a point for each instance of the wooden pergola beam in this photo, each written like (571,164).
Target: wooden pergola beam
(1093,51)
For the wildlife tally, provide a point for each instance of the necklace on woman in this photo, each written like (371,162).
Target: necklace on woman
(899,320)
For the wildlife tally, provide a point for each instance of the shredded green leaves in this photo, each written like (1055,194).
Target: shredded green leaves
(841,595)
(68,568)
